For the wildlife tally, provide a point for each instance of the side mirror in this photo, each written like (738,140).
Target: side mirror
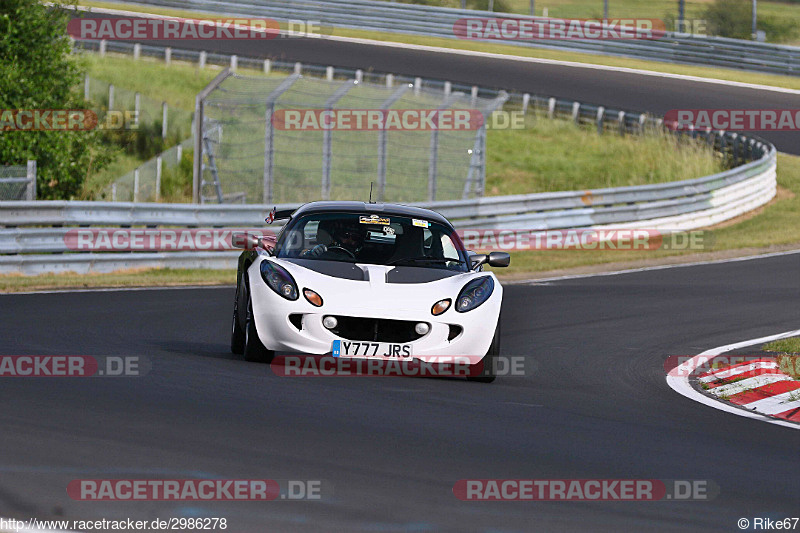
(245,241)
(494,259)
(499,259)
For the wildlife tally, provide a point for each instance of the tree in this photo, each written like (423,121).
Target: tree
(37,71)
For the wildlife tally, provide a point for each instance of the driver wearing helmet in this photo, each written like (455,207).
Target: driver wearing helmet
(347,239)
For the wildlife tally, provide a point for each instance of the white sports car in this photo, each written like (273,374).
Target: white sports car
(367,280)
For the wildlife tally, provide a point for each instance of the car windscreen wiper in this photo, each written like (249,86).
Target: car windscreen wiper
(424,259)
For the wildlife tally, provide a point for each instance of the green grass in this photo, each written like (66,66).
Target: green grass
(535,160)
(790,345)
(132,278)
(776,227)
(791,82)
(95,183)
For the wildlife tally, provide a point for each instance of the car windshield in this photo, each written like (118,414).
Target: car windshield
(373,239)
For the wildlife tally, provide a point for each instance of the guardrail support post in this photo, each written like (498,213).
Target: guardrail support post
(329,73)
(473,96)
(600,116)
(551,108)
(621,122)
(201,61)
(359,76)
(298,68)
(168,56)
(234,62)
(576,112)
(102,49)
(448,88)
(137,51)
(526,100)
(417,86)
(390,80)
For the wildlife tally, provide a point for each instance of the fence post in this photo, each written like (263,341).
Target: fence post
(359,76)
(473,97)
(576,112)
(102,49)
(168,55)
(433,158)
(110,96)
(136,185)
(551,108)
(298,68)
(417,86)
(267,66)
(30,191)
(158,178)
(389,80)
(448,88)
(86,87)
(199,103)
(329,73)
(327,142)
(164,119)
(269,130)
(201,62)
(526,100)
(382,141)
(137,107)
(621,122)
(234,62)
(137,51)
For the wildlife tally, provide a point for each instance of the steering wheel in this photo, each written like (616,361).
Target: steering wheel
(343,249)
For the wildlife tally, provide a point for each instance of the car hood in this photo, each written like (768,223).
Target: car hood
(379,289)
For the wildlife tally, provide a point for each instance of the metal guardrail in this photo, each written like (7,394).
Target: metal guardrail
(432,21)
(680,205)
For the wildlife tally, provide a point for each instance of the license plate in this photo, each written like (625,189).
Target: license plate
(381,350)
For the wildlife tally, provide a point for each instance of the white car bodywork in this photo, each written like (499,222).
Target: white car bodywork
(374,298)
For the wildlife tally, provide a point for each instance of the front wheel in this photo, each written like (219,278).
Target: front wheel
(488,375)
(254,350)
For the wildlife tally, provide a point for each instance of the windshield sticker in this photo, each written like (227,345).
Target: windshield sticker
(374,219)
(420,223)
(388,230)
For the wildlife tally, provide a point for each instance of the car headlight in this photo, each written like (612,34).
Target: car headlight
(474,294)
(279,280)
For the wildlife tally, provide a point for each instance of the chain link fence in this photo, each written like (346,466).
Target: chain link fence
(18,182)
(253,153)
(147,183)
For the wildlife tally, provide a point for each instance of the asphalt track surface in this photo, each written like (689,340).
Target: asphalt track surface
(597,406)
(620,90)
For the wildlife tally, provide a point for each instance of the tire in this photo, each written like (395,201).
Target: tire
(254,350)
(237,333)
(489,360)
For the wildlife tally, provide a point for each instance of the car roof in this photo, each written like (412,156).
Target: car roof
(369,209)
